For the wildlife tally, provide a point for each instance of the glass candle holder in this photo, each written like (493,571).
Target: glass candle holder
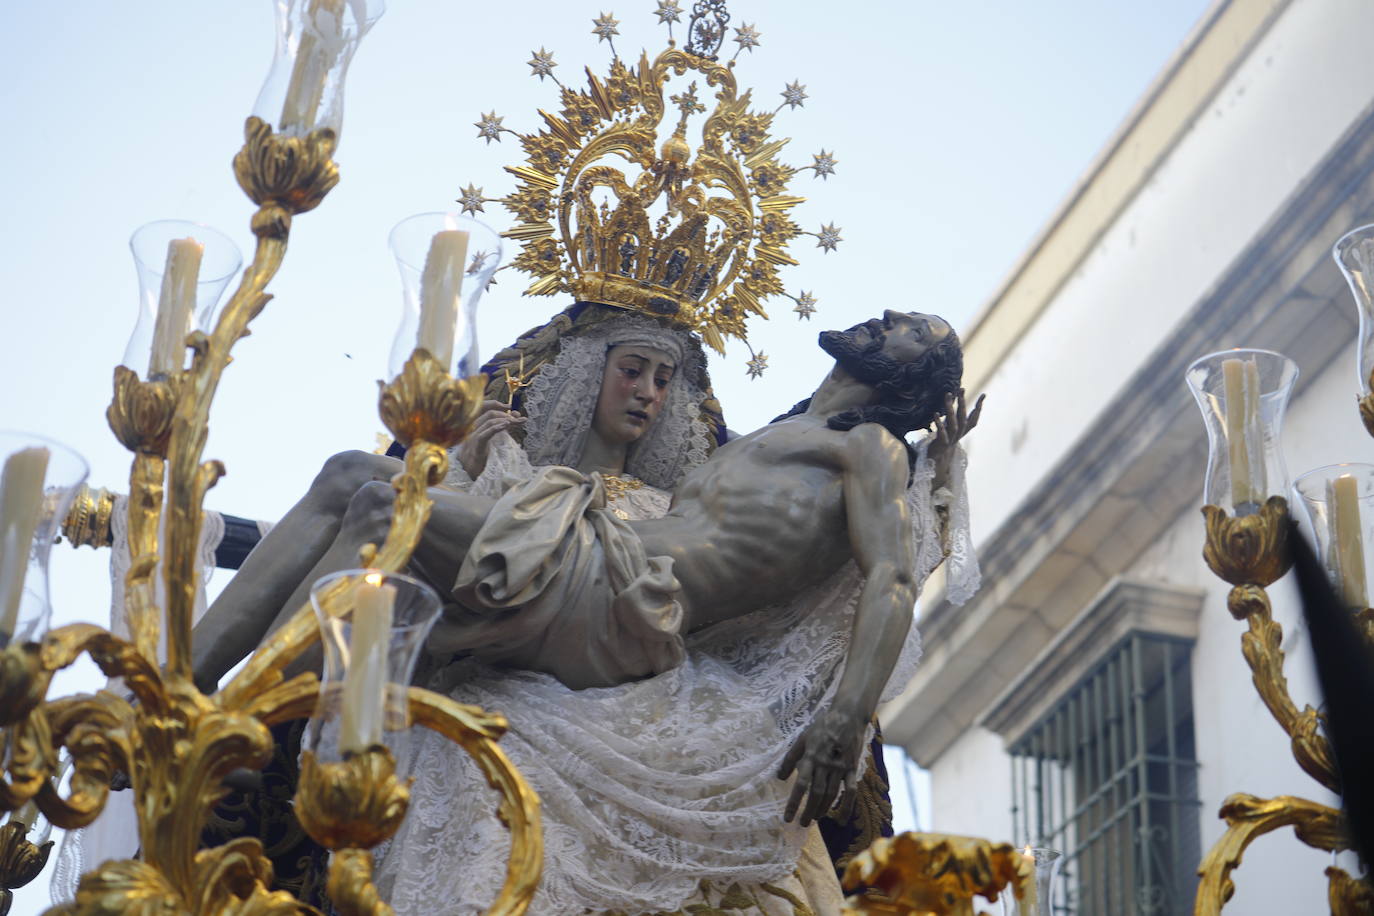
(169,305)
(1336,508)
(1354,255)
(316,40)
(1039,899)
(446,261)
(38,480)
(1243,395)
(372,626)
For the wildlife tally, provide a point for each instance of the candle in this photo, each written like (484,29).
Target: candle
(1241,385)
(1259,484)
(441,285)
(21,505)
(1030,904)
(365,683)
(174,306)
(316,54)
(1347,539)
(25,816)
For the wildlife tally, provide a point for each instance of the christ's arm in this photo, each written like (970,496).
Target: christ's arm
(875,475)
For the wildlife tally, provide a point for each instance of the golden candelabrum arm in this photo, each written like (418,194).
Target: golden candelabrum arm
(1250,552)
(1248,818)
(476,732)
(428,411)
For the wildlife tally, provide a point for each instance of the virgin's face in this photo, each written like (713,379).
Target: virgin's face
(633,389)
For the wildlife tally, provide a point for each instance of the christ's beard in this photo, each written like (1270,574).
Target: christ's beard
(867,363)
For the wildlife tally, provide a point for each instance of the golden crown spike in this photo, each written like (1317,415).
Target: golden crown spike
(612,211)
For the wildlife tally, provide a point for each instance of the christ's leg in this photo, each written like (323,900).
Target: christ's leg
(243,612)
(453,523)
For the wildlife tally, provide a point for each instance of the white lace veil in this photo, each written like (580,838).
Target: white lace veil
(561,402)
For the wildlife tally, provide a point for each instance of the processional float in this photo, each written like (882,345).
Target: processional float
(173,744)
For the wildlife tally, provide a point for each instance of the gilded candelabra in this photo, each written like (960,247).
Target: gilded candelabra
(174,743)
(1243,395)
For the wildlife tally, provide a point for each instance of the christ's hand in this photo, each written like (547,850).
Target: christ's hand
(953,425)
(824,758)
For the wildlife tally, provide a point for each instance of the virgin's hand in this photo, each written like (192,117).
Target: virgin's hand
(824,757)
(494,418)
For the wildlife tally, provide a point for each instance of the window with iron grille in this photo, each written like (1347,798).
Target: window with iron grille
(1109,776)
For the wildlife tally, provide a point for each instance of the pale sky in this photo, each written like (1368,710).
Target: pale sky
(958,129)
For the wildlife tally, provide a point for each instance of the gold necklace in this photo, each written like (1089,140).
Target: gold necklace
(617,486)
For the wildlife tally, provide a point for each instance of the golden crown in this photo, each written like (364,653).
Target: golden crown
(694,237)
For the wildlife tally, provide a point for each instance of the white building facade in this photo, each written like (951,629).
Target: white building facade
(1094,693)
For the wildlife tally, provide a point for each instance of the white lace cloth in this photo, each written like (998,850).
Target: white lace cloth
(114,834)
(650,787)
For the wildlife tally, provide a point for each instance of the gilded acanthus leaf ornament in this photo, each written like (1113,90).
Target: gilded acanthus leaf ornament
(1250,549)
(141,413)
(357,802)
(425,403)
(21,860)
(286,174)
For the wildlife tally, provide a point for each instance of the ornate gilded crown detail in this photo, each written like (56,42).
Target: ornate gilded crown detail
(615,204)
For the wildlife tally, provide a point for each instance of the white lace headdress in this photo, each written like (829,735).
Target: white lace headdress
(561,401)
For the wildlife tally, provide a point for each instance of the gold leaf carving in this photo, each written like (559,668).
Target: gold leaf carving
(1251,549)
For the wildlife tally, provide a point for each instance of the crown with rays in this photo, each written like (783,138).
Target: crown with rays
(658,187)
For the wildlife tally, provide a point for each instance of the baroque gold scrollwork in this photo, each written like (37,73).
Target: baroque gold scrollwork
(1247,818)
(933,874)
(1261,645)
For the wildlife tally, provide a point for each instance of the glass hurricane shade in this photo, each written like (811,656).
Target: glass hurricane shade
(1354,254)
(1041,901)
(439,296)
(1243,395)
(151,244)
(38,479)
(1335,506)
(372,626)
(316,40)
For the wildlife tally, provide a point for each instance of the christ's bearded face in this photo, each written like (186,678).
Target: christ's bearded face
(872,351)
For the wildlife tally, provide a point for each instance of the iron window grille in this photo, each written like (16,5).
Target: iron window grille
(1109,777)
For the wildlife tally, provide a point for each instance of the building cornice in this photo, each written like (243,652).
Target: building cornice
(1124,607)
(1188,83)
